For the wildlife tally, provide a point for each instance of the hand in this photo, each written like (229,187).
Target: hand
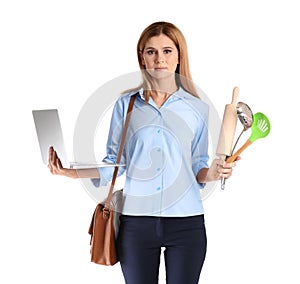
(220,169)
(55,165)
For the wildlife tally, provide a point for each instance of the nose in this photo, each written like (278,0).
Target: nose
(160,57)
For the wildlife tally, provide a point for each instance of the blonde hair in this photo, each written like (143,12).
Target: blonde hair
(183,74)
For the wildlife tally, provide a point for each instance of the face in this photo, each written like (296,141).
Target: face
(160,56)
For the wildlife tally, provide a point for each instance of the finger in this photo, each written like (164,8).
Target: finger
(58,163)
(50,161)
(55,158)
(229,165)
(54,162)
(226,170)
(219,170)
(52,155)
(51,168)
(226,174)
(219,163)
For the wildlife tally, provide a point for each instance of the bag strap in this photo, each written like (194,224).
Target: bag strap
(122,144)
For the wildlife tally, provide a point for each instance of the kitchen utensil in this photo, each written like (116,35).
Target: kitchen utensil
(260,128)
(245,116)
(228,127)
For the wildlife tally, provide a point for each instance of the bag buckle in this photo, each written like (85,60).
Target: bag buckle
(105,212)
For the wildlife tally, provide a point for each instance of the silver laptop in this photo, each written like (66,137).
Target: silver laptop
(49,133)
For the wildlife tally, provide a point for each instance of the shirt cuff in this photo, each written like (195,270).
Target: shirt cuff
(102,181)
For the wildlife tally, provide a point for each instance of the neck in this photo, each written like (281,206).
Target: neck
(164,87)
(160,94)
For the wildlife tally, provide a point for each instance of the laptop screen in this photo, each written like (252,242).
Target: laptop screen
(49,133)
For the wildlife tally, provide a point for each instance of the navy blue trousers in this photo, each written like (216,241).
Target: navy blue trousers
(140,241)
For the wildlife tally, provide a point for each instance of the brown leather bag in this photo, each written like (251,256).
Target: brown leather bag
(102,228)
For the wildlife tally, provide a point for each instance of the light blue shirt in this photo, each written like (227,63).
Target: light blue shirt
(165,149)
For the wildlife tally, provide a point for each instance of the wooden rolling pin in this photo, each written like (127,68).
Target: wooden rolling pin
(228,128)
(227,132)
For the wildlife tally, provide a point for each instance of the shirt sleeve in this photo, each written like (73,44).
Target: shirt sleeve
(113,142)
(200,155)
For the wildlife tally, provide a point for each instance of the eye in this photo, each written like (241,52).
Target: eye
(167,51)
(150,52)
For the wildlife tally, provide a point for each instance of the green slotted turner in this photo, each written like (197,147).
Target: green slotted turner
(260,128)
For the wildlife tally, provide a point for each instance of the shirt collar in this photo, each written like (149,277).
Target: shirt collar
(180,93)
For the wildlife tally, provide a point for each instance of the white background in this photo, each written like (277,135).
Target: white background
(55,54)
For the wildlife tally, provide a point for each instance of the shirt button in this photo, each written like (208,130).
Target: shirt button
(158,188)
(159,130)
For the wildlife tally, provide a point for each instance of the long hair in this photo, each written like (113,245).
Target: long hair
(182,73)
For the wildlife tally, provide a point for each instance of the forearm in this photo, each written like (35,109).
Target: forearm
(202,176)
(87,173)
(79,173)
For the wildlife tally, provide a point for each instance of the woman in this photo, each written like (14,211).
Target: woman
(166,164)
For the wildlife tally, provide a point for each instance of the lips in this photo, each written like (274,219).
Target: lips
(161,69)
